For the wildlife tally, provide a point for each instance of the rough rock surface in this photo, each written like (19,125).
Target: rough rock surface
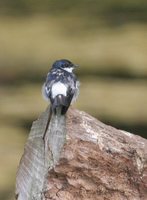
(98,162)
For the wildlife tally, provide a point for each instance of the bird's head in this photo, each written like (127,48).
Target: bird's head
(64,64)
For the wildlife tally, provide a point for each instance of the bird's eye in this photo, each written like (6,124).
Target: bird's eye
(66,65)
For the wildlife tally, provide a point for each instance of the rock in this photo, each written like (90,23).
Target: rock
(98,162)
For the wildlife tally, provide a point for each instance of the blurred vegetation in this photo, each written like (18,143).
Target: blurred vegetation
(108,9)
(106,38)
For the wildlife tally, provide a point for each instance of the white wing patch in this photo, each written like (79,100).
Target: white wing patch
(58,88)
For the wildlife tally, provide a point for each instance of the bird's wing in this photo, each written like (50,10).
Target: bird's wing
(46,89)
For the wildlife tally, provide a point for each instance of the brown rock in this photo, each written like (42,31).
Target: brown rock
(98,162)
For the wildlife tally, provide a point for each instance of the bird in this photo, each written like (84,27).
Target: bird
(61,89)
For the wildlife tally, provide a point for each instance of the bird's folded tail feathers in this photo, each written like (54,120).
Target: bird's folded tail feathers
(60,104)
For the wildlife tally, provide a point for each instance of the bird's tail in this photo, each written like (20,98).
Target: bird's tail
(61,104)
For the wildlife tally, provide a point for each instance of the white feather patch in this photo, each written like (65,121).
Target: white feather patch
(68,69)
(59,88)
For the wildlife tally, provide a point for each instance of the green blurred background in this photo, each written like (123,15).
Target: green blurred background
(108,39)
